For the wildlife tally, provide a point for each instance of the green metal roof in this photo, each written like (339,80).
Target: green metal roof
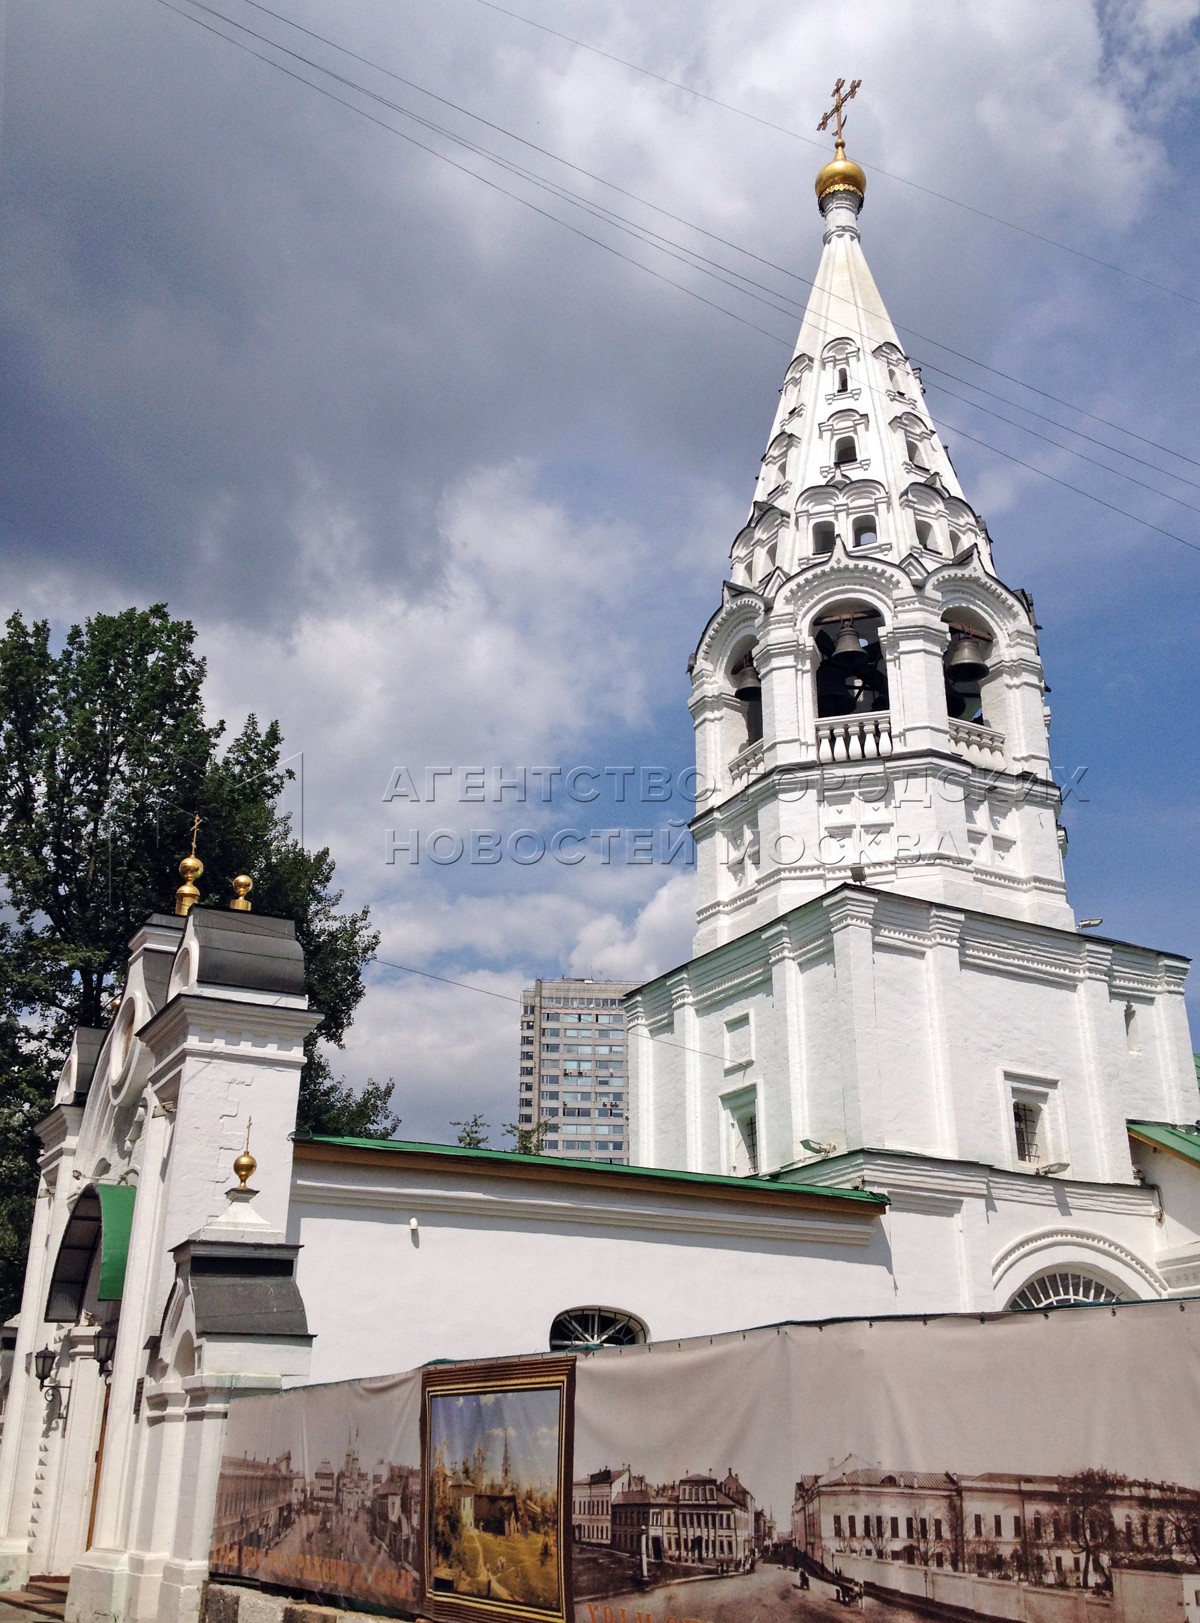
(1164,1135)
(116,1221)
(861,1197)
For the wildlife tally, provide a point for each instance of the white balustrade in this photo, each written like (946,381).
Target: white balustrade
(865,737)
(982,745)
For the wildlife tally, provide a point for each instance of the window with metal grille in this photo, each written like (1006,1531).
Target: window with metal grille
(582,1327)
(1026,1120)
(1062,1288)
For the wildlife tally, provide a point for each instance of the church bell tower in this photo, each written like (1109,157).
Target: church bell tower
(868,701)
(887,977)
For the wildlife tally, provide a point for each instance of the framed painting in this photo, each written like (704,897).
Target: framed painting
(496,1444)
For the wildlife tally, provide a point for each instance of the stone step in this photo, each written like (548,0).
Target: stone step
(40,1601)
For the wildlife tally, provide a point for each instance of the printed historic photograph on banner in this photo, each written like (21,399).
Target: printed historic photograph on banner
(496,1456)
(320,1492)
(950,1468)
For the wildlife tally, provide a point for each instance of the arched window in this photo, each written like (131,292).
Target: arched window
(852,674)
(965,662)
(747,690)
(1062,1288)
(845,451)
(865,533)
(579,1328)
(926,537)
(822,537)
(914,452)
(955,542)
(843,380)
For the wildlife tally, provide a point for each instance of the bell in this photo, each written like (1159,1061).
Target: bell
(747,685)
(847,650)
(967,660)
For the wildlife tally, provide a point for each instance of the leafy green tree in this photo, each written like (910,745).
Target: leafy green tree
(528,1140)
(472,1133)
(105,757)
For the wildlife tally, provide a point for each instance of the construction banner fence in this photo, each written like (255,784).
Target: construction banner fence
(1041,1467)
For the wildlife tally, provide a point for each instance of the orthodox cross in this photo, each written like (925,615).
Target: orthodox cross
(837,110)
(196,821)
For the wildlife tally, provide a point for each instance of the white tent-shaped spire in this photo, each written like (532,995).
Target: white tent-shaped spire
(853,451)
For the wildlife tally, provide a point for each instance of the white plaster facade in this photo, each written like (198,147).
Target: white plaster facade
(889,988)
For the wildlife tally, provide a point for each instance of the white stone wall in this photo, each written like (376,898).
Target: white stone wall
(494,1259)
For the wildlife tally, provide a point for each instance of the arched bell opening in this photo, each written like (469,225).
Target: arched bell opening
(967,664)
(747,691)
(851,675)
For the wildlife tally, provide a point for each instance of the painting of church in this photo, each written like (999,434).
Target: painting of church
(895,1076)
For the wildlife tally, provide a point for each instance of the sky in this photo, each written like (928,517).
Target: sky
(448,485)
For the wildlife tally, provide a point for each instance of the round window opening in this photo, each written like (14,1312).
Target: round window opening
(1062,1289)
(582,1327)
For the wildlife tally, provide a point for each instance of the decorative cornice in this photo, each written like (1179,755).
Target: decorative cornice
(194,1023)
(568,1191)
(1085,1241)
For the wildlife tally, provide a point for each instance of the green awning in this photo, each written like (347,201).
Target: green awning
(116,1221)
(1164,1135)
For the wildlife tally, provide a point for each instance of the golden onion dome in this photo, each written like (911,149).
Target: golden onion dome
(842,174)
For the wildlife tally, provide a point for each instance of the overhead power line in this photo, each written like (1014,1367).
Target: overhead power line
(646,234)
(1078,489)
(651,239)
(796,135)
(1041,434)
(507,997)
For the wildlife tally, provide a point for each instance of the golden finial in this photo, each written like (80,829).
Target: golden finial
(245,1165)
(242,886)
(842,175)
(191,868)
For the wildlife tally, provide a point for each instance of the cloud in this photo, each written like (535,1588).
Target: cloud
(442,483)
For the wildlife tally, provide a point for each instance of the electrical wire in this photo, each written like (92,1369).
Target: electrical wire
(783,129)
(628,226)
(928,366)
(464,169)
(650,239)
(1078,489)
(1095,461)
(507,997)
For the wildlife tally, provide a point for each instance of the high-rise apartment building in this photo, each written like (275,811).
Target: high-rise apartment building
(573,1067)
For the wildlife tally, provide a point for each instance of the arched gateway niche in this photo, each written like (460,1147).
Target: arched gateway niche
(851,675)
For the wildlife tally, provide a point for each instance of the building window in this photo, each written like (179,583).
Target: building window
(908,1527)
(926,537)
(843,380)
(979,1527)
(914,452)
(1062,1289)
(852,1526)
(852,673)
(1027,1119)
(844,451)
(865,532)
(583,1327)
(998,1522)
(895,1526)
(937,1528)
(822,538)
